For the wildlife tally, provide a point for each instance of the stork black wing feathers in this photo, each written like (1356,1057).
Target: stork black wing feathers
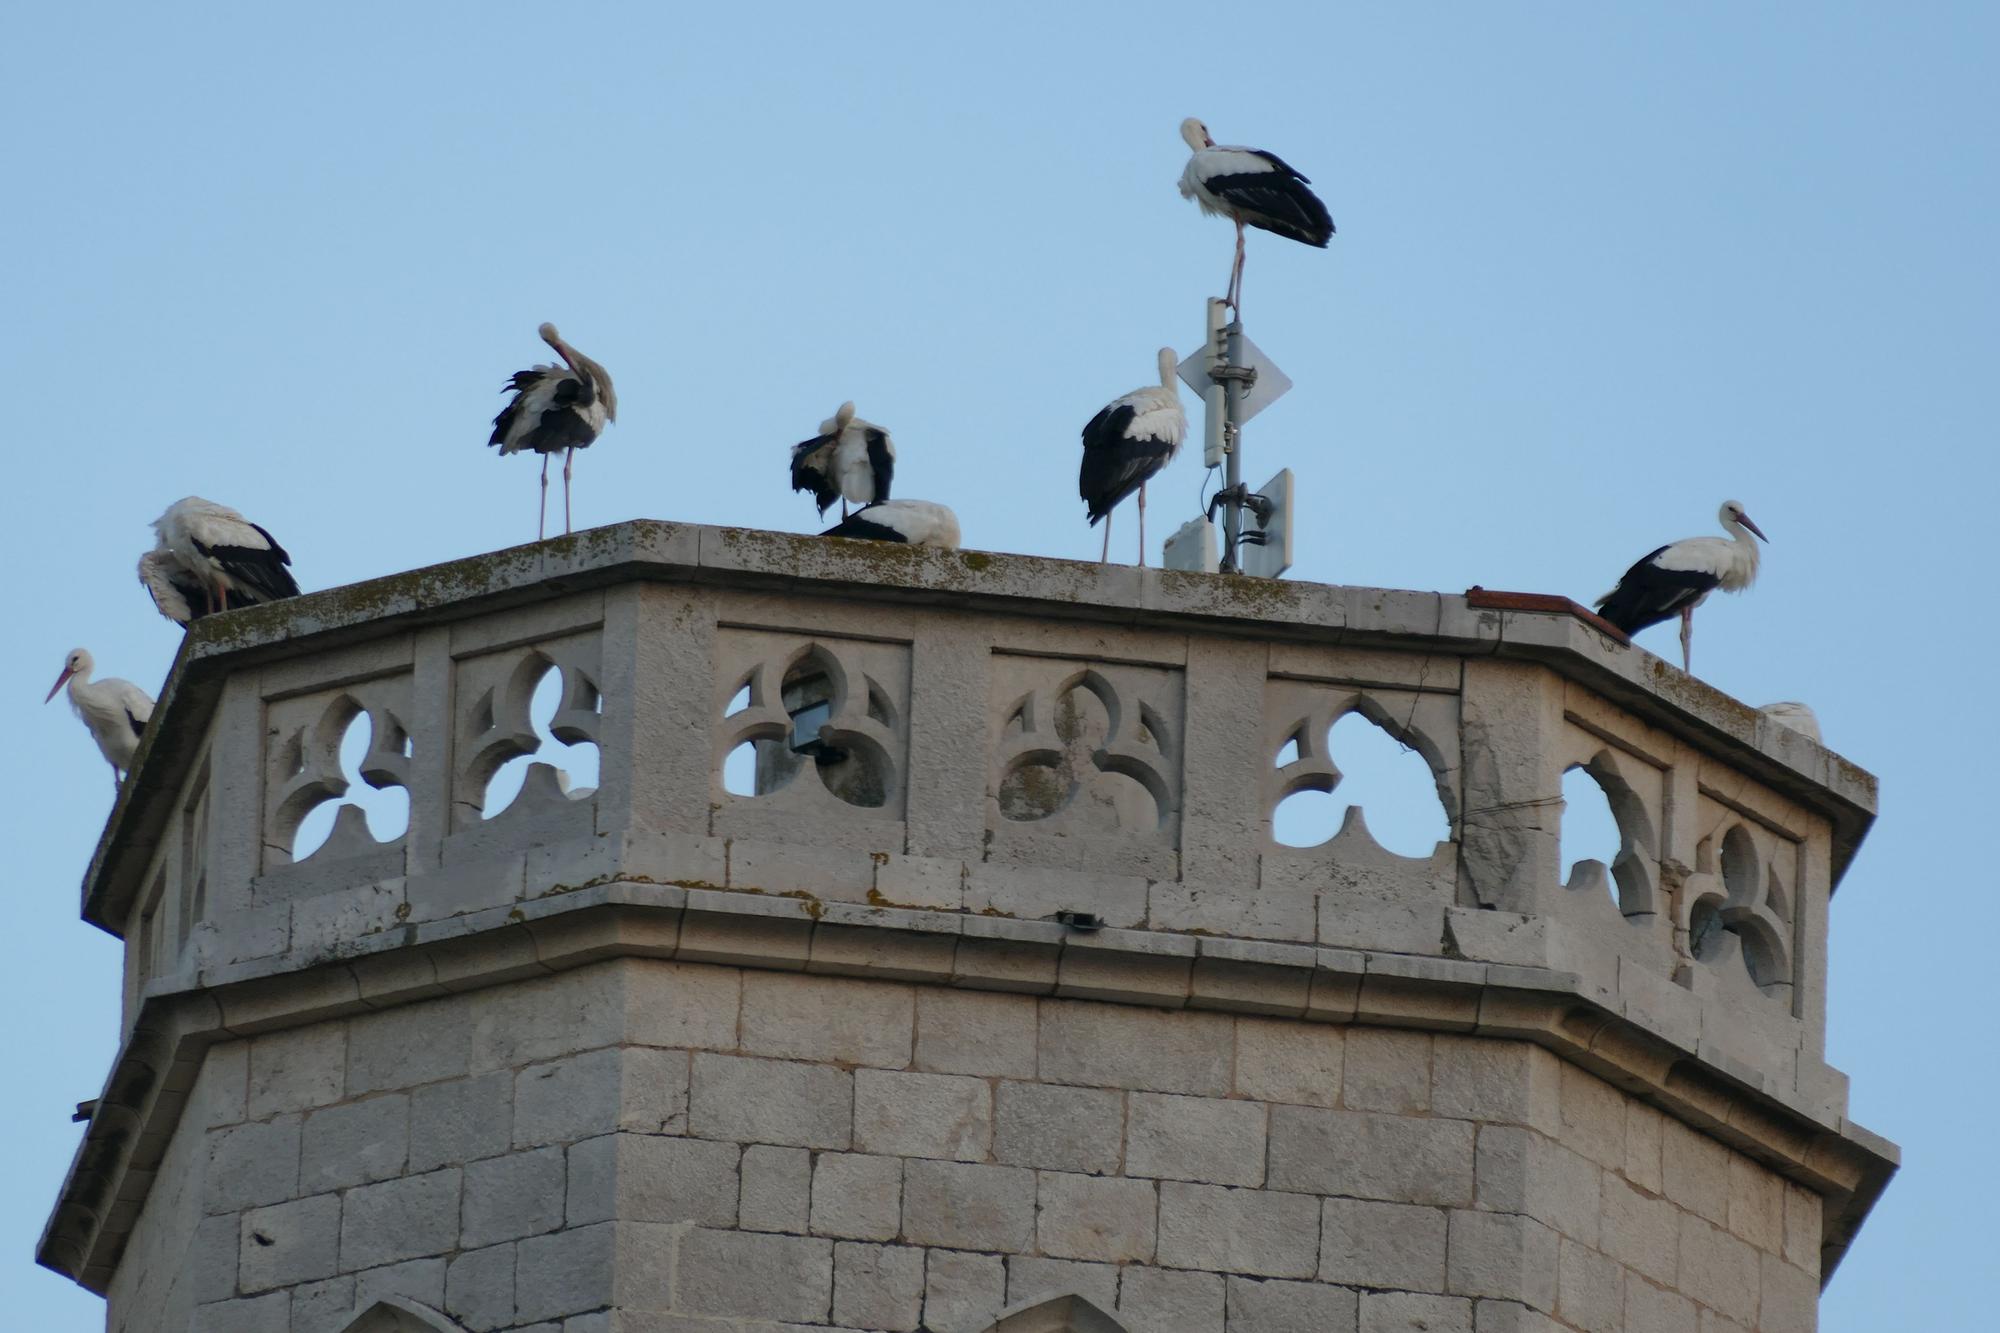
(1115,464)
(881,462)
(856,525)
(1648,594)
(1276,201)
(259,573)
(812,469)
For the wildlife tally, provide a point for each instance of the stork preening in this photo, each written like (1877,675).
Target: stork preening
(229,559)
(555,409)
(850,460)
(1126,444)
(178,593)
(1252,188)
(1678,577)
(917,522)
(114,710)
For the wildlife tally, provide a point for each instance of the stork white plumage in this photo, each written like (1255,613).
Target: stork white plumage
(177,591)
(850,460)
(233,561)
(116,711)
(1126,444)
(917,522)
(555,409)
(1252,188)
(1678,577)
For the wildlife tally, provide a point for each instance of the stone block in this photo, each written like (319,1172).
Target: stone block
(1802,1228)
(857,1197)
(1641,1231)
(1095,1217)
(1367,1156)
(479,1288)
(962,1292)
(1029,1278)
(1504,1256)
(920,882)
(329,925)
(1651,1309)
(1499,1082)
(1208,1139)
(1593,1117)
(878,1286)
(212,1260)
(1364,1243)
(1489,936)
(1590,1289)
(1407,1312)
(1278,1060)
(771,1101)
(1694,1171)
(1491,1316)
(1149,1049)
(251,1164)
(828,1019)
(1258,1305)
(221,1092)
(975,1032)
(410,1044)
(297,1069)
(923,1115)
(269,1313)
(1238,1230)
(582,1096)
(962,1205)
(547,1017)
(1644,1128)
(459,1121)
(1387,1069)
(1719,1270)
(794,1275)
(419,1280)
(564,1272)
(776,1190)
(1788,1299)
(1101,970)
(1059,1128)
(323,1307)
(509,1197)
(355,1143)
(1519,1171)
(1033,893)
(288,1243)
(690,1005)
(1756,1204)
(399,1219)
(1161,1300)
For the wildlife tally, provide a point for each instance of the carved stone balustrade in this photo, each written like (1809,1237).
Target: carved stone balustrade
(955,754)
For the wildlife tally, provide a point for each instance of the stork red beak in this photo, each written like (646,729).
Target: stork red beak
(1745,520)
(67,673)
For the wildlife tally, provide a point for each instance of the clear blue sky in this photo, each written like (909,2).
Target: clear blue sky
(1599,267)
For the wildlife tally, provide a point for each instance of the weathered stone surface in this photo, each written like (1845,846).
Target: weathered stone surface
(857,1196)
(1756,1204)
(966,1206)
(479,1288)
(1059,1128)
(251,1164)
(1262,1305)
(1209,1139)
(1694,1171)
(1278,1060)
(1371,1244)
(878,1286)
(1788,1299)
(409,1044)
(1519,1171)
(1593,1117)
(1259,1232)
(794,1275)
(1719,1270)
(1171,1302)
(923,1115)
(1157,1051)
(509,1197)
(1386,1069)
(681,1004)
(355,1143)
(1094,1217)
(975,1032)
(399,1219)
(1503,1255)
(771,1101)
(461,1120)
(269,1313)
(650,1178)
(1640,1230)
(1029,1277)
(1651,1309)
(419,1280)
(564,1273)
(1497,1082)
(1590,1289)
(962,1291)
(583,1096)
(1405,1312)
(296,1070)
(776,1193)
(1644,1128)
(323,1307)
(1368,1156)
(828,1018)
(288,1243)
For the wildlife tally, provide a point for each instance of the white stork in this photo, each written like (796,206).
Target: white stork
(232,561)
(177,591)
(1678,577)
(1252,188)
(555,409)
(849,460)
(115,710)
(1126,444)
(918,522)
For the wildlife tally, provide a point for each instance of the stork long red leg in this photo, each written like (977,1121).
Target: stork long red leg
(542,515)
(1142,525)
(568,455)
(1107,539)
(1687,640)
(1235,297)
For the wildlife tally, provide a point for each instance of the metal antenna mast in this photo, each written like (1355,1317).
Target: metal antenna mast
(1236,382)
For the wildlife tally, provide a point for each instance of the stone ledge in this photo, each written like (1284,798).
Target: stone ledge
(1845,1164)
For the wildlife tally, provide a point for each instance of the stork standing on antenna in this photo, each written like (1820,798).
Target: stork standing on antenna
(1678,577)
(849,460)
(1126,444)
(232,561)
(115,711)
(555,409)
(1252,188)
(917,522)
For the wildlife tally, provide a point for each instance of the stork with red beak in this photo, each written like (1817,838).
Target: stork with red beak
(1678,577)
(1252,188)
(115,711)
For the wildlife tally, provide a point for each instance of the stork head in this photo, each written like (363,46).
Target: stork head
(839,420)
(1196,134)
(550,336)
(78,663)
(1732,517)
(1170,364)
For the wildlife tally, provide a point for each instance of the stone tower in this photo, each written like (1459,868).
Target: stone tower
(991,1002)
